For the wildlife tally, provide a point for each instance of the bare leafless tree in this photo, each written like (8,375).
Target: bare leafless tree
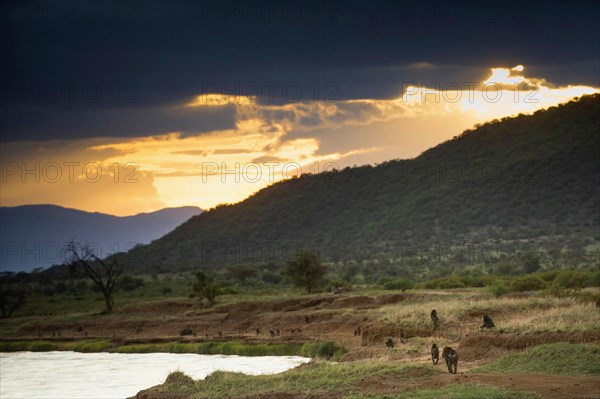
(11,299)
(103,272)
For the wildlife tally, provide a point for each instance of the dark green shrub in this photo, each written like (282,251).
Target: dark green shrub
(571,279)
(498,289)
(130,283)
(399,284)
(527,283)
(270,277)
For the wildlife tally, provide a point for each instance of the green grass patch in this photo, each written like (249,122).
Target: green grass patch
(313,379)
(214,348)
(328,350)
(16,346)
(456,391)
(45,346)
(558,358)
(205,348)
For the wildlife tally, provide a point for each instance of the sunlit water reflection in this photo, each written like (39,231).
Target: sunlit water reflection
(72,375)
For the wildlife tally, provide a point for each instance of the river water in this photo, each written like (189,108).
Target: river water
(72,375)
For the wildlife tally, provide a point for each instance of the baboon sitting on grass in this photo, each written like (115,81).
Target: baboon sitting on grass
(389,343)
(435,354)
(451,358)
(487,322)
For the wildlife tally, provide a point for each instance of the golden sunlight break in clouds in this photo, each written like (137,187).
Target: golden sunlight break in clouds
(268,143)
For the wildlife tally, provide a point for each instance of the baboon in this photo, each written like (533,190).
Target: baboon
(451,358)
(435,320)
(185,331)
(389,343)
(487,322)
(220,334)
(402,336)
(435,354)
(257,332)
(306,319)
(271,332)
(278,332)
(355,332)
(296,331)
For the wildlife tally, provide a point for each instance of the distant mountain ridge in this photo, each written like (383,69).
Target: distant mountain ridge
(530,177)
(31,235)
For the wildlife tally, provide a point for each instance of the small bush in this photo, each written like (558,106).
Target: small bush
(328,350)
(178,379)
(399,284)
(593,280)
(445,283)
(527,283)
(571,279)
(271,278)
(498,289)
(130,283)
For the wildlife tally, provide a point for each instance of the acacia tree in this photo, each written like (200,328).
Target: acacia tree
(306,271)
(103,272)
(204,288)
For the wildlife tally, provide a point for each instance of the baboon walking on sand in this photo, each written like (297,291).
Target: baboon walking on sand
(435,354)
(435,320)
(451,358)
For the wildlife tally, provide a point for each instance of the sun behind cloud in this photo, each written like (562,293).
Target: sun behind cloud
(274,142)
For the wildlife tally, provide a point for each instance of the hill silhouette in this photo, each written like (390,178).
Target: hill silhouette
(33,235)
(501,189)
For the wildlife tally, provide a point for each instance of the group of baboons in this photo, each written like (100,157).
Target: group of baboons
(273,332)
(449,354)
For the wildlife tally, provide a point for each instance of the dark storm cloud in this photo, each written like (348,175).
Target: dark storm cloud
(83,69)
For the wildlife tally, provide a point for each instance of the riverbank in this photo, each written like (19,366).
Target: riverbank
(204,348)
(570,371)
(360,322)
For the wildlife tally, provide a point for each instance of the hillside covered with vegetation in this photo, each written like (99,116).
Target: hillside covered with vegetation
(508,187)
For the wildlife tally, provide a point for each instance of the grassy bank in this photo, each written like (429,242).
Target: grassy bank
(515,315)
(332,380)
(324,349)
(559,358)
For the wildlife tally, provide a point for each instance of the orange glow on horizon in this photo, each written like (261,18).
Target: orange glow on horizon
(269,142)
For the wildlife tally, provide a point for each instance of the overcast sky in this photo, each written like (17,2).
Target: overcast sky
(167,90)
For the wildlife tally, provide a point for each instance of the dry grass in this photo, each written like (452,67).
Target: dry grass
(526,314)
